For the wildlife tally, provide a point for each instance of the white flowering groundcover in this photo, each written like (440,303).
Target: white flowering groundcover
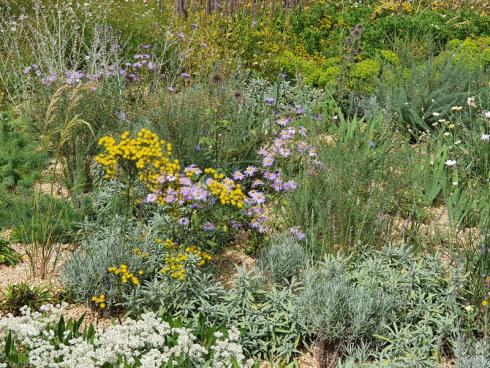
(42,339)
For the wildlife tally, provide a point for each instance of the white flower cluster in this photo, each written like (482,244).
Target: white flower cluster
(142,343)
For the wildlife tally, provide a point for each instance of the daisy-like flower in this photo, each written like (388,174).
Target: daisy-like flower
(450,163)
(436,114)
(283,121)
(250,171)
(268,161)
(471,102)
(487,114)
(485,137)
(456,108)
(184,221)
(238,175)
(258,197)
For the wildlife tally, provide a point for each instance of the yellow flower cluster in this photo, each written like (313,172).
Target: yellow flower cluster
(225,189)
(125,274)
(140,253)
(392,7)
(175,264)
(100,301)
(169,244)
(150,156)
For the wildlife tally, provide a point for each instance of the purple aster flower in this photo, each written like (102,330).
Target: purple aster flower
(194,25)
(238,175)
(263,152)
(183,180)
(146,47)
(277,185)
(299,110)
(290,185)
(208,226)
(269,101)
(250,171)
(184,221)
(151,65)
(199,194)
(371,144)
(272,175)
(257,183)
(268,161)
(181,35)
(185,75)
(302,147)
(151,198)
(27,70)
(283,121)
(296,231)
(257,197)
(171,195)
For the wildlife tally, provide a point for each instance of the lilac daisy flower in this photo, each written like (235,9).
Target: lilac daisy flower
(238,175)
(151,198)
(184,221)
(250,171)
(257,197)
(185,75)
(268,161)
(284,121)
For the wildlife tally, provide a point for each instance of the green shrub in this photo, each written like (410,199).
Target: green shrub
(21,159)
(8,256)
(339,312)
(472,353)
(19,295)
(283,259)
